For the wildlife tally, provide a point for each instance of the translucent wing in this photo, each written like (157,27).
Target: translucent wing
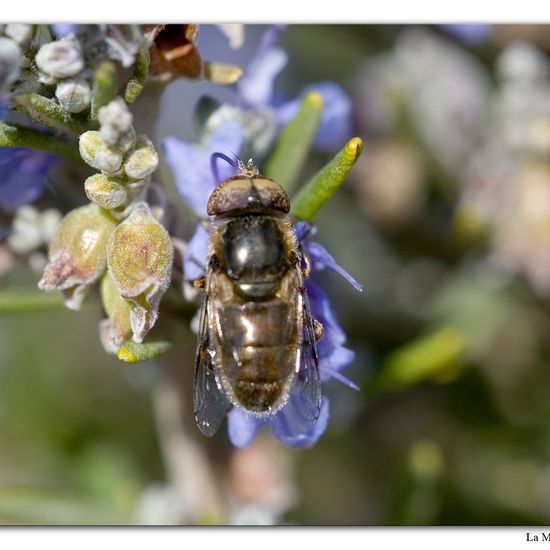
(306,391)
(210,403)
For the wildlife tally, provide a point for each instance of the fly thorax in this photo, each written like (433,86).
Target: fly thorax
(254,255)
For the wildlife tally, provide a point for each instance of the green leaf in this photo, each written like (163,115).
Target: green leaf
(39,507)
(28,301)
(47,112)
(105,86)
(438,356)
(325,183)
(287,159)
(135,84)
(135,353)
(12,135)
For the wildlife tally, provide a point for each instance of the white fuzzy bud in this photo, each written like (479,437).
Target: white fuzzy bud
(10,58)
(115,120)
(142,161)
(73,95)
(46,79)
(61,59)
(108,159)
(521,61)
(31,229)
(98,154)
(20,32)
(127,140)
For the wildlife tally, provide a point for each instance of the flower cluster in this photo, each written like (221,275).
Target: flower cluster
(119,232)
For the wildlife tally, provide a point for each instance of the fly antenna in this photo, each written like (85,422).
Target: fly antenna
(214,163)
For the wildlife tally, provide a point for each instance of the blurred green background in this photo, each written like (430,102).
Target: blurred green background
(445,220)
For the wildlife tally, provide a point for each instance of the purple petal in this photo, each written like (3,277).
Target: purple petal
(333,335)
(257,83)
(335,126)
(190,163)
(271,37)
(227,138)
(242,427)
(192,175)
(22,176)
(291,429)
(471,34)
(304,230)
(194,257)
(320,259)
(332,363)
(63,29)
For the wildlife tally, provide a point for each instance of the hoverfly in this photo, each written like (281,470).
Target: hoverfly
(257,339)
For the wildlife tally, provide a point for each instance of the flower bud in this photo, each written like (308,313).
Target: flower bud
(142,161)
(98,154)
(127,140)
(10,57)
(74,95)
(77,255)
(20,32)
(116,329)
(105,191)
(140,257)
(115,120)
(61,59)
(31,228)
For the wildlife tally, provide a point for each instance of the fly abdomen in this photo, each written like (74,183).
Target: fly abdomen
(256,324)
(258,340)
(260,383)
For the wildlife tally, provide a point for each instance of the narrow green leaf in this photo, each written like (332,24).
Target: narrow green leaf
(287,159)
(437,356)
(12,135)
(28,301)
(135,84)
(325,183)
(135,353)
(105,86)
(47,112)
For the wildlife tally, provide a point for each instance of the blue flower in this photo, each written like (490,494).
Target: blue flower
(191,166)
(22,175)
(256,90)
(192,171)
(469,33)
(63,29)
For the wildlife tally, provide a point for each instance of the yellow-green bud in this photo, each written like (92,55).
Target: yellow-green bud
(139,255)
(98,154)
(116,329)
(105,191)
(142,161)
(77,254)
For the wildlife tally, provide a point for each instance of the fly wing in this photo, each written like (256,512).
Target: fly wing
(307,385)
(210,402)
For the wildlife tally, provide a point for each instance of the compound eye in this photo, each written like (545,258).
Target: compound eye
(272,195)
(244,193)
